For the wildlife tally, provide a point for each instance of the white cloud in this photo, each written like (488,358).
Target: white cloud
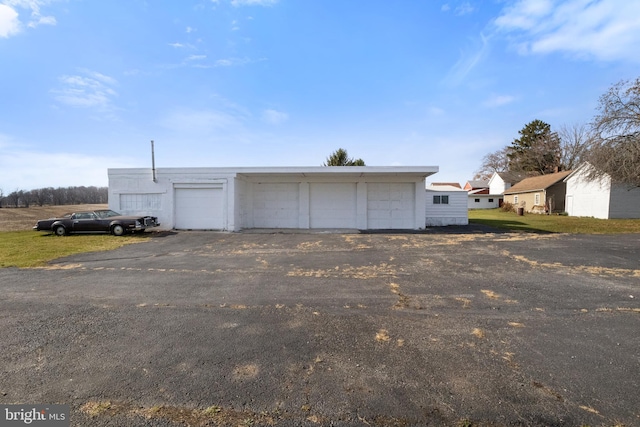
(498,101)
(274,117)
(464,9)
(468,62)
(525,14)
(43,20)
(253,2)
(229,62)
(89,89)
(605,30)
(9,22)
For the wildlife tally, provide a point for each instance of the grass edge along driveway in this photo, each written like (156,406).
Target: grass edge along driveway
(538,223)
(28,249)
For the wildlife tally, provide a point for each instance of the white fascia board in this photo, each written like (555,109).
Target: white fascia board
(321,170)
(355,171)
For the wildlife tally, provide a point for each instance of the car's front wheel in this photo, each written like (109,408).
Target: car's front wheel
(117,230)
(59,230)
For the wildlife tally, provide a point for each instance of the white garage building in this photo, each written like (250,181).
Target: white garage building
(232,199)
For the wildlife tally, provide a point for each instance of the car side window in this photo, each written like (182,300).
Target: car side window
(85,215)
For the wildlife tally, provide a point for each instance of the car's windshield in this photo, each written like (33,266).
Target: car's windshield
(106,214)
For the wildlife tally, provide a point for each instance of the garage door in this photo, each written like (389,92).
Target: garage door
(391,205)
(332,205)
(276,205)
(199,208)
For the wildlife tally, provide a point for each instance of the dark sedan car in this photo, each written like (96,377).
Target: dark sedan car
(106,221)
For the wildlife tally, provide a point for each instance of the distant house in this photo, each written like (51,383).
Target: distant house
(600,198)
(502,181)
(478,199)
(446,205)
(446,184)
(479,186)
(539,194)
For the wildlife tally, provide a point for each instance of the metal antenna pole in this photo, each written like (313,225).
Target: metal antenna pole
(153,162)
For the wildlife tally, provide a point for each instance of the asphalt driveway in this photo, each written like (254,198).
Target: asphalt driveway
(204,328)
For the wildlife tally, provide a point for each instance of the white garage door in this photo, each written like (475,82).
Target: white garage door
(199,208)
(391,205)
(276,205)
(332,205)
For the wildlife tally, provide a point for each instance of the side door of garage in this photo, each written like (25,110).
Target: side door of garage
(200,207)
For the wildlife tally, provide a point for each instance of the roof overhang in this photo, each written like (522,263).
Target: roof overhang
(289,172)
(340,171)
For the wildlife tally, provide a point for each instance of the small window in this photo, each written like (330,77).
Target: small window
(515,199)
(490,200)
(537,199)
(440,200)
(477,200)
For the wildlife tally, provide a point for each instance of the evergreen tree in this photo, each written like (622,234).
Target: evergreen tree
(340,157)
(537,151)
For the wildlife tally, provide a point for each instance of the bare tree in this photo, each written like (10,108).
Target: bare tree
(575,140)
(13,199)
(615,150)
(493,162)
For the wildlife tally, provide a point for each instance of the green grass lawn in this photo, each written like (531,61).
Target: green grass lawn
(552,223)
(33,249)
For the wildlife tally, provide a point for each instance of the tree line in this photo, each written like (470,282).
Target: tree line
(610,142)
(54,196)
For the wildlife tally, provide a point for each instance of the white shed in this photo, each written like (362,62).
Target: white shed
(478,200)
(232,199)
(446,205)
(600,198)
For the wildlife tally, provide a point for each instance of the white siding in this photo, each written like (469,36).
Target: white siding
(497,185)
(456,212)
(586,197)
(625,202)
(485,201)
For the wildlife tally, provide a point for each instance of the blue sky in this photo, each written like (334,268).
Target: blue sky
(86,84)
